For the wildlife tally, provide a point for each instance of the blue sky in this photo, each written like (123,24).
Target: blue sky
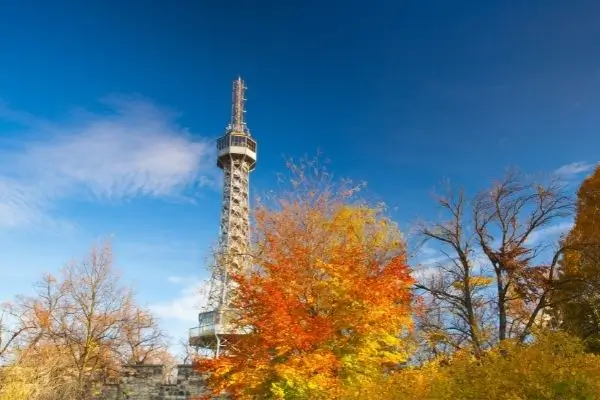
(109,112)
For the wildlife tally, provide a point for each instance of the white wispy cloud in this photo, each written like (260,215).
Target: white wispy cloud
(428,264)
(423,273)
(180,313)
(185,306)
(549,232)
(573,169)
(175,279)
(131,148)
(19,204)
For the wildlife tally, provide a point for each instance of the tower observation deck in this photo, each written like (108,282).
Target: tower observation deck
(236,156)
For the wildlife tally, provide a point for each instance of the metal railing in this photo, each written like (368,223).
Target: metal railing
(202,330)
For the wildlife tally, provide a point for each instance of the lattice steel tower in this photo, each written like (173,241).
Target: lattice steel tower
(237,158)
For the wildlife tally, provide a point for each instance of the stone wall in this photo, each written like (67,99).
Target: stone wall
(147,382)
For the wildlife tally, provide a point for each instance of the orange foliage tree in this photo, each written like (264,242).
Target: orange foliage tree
(76,332)
(328,297)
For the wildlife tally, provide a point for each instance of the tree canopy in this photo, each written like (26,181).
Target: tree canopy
(76,333)
(328,301)
(579,296)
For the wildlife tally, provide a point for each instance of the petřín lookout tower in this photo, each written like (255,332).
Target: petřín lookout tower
(237,158)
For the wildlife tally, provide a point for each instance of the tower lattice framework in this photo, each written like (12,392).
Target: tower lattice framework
(237,158)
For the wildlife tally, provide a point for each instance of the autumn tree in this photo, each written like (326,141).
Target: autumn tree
(579,312)
(40,373)
(327,298)
(186,353)
(552,366)
(456,310)
(81,327)
(8,333)
(496,271)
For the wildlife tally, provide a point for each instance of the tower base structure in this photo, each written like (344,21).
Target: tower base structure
(216,331)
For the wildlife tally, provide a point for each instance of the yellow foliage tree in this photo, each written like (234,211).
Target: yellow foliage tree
(554,366)
(43,373)
(578,298)
(328,300)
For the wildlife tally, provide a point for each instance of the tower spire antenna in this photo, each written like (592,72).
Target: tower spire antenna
(237,124)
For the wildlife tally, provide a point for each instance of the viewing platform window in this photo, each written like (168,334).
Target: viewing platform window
(222,143)
(207,319)
(235,140)
(238,141)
